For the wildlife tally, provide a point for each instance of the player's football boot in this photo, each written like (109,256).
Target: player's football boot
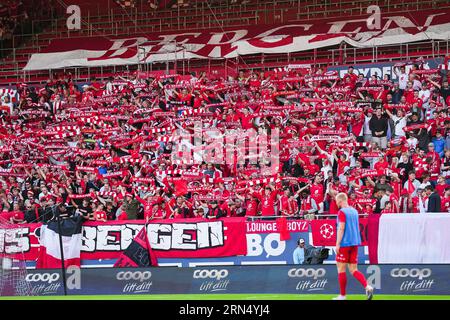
(339,297)
(369,292)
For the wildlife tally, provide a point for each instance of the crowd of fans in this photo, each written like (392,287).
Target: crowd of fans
(106,150)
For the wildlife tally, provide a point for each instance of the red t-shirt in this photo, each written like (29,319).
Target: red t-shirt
(100,215)
(267,203)
(252,208)
(246,121)
(317,193)
(381,166)
(341,166)
(341,216)
(440,188)
(445,204)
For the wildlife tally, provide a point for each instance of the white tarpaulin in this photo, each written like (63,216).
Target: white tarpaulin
(414,238)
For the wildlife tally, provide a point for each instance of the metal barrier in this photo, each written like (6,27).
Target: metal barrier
(354,55)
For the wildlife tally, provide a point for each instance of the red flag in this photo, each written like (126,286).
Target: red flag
(139,253)
(373,228)
(324,232)
(283,229)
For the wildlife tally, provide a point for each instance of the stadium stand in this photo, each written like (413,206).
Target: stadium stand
(100,139)
(108,18)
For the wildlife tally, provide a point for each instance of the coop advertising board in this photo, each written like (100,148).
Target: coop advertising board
(254,242)
(270,279)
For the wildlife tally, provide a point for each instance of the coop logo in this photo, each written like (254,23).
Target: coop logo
(44,283)
(416,279)
(212,280)
(136,275)
(311,279)
(307,273)
(212,274)
(136,281)
(327,231)
(42,277)
(412,273)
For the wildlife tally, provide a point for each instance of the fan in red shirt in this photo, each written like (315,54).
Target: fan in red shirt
(246,118)
(396,184)
(434,161)
(87,95)
(445,202)
(250,204)
(381,165)
(342,163)
(220,191)
(185,96)
(388,208)
(97,87)
(351,75)
(267,200)
(228,208)
(13,216)
(288,206)
(317,191)
(100,213)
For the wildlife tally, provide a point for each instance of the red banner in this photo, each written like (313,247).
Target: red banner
(175,238)
(20,239)
(324,232)
(238,41)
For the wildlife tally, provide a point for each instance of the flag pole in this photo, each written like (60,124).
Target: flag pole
(63,268)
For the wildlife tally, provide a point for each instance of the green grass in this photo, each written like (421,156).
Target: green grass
(228,297)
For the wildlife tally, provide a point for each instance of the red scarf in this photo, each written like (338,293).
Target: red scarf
(411,187)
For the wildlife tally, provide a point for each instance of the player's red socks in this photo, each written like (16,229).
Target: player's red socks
(342,277)
(360,277)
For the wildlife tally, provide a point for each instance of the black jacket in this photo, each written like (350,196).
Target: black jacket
(378,124)
(216,212)
(434,203)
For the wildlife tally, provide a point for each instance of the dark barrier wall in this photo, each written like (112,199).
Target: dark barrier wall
(386,279)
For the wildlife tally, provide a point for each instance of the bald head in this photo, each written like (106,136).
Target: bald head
(341,200)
